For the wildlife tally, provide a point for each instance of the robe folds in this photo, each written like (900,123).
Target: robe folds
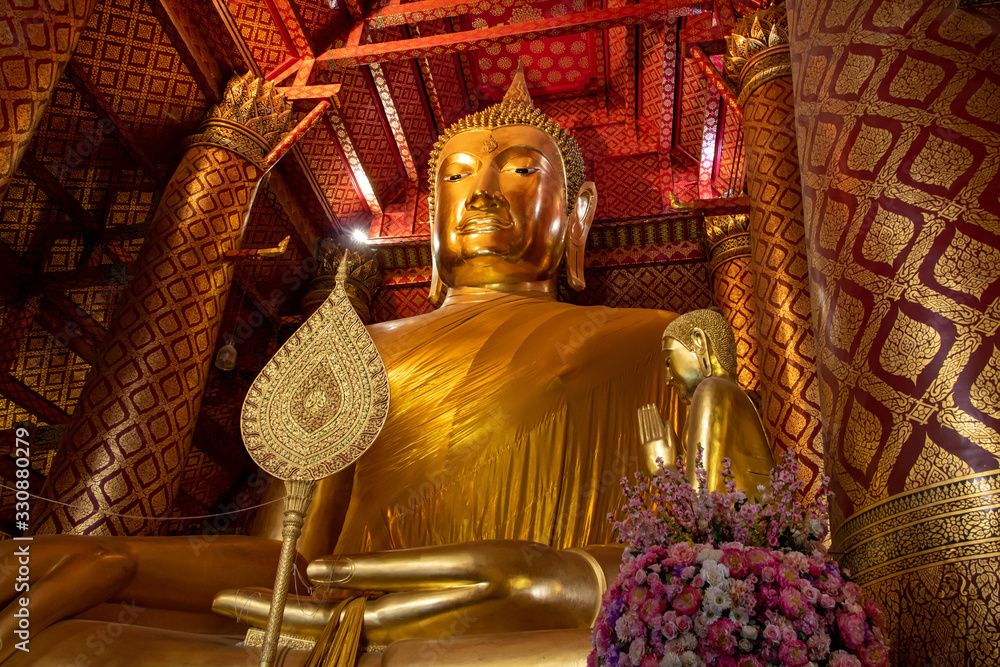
(511,417)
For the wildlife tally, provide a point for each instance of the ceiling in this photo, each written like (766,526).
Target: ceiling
(625,77)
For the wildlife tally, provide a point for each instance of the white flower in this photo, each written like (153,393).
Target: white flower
(702,621)
(689,641)
(739,616)
(709,554)
(671,660)
(749,632)
(745,645)
(814,527)
(715,573)
(716,600)
(690,659)
(636,650)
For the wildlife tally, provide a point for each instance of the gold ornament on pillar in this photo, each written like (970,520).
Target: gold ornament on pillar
(728,239)
(364,278)
(128,439)
(758,50)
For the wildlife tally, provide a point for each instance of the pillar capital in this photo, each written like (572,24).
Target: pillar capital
(728,238)
(364,278)
(250,120)
(757,50)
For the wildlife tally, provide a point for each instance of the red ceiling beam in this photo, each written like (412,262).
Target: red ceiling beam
(428,10)
(286,20)
(651,10)
(715,78)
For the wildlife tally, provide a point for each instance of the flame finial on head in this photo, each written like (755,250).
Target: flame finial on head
(518,91)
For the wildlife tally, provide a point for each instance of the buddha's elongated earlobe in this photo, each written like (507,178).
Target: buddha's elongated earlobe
(701,349)
(580,220)
(437,287)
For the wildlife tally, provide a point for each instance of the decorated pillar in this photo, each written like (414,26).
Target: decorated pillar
(758,59)
(899,138)
(40,36)
(732,284)
(126,443)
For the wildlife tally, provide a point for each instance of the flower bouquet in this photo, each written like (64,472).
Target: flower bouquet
(712,578)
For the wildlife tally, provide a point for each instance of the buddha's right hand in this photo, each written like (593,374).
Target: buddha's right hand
(430,592)
(659,442)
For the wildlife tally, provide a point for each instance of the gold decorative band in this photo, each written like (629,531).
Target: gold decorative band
(952,521)
(771,63)
(234,137)
(728,249)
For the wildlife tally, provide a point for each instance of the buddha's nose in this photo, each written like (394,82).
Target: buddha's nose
(485,200)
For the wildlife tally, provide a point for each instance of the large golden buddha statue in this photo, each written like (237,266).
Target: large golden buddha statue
(480,508)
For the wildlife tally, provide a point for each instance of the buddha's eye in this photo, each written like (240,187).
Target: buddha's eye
(524,171)
(451,178)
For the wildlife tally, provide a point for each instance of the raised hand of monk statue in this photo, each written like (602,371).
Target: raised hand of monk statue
(476,509)
(699,352)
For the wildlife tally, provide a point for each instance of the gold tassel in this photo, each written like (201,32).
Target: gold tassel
(338,645)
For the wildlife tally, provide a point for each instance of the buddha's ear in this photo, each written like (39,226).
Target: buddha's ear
(437,287)
(580,220)
(701,349)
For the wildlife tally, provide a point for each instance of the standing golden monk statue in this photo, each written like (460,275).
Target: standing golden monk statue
(699,351)
(475,514)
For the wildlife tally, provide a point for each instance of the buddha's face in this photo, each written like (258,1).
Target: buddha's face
(500,203)
(684,372)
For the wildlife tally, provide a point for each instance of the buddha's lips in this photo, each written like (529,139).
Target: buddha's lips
(483,225)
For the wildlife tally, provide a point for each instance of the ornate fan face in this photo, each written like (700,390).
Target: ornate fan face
(320,402)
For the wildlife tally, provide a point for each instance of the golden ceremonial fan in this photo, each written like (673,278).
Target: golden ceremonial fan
(313,410)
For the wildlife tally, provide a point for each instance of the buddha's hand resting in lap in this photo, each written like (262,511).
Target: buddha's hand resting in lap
(467,588)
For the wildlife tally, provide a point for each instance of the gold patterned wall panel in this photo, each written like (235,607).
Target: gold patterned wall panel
(789,389)
(899,137)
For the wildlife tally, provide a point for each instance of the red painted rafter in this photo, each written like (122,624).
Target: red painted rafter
(286,20)
(429,10)
(715,78)
(651,10)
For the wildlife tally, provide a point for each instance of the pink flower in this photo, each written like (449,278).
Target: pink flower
(736,562)
(874,654)
(682,552)
(698,581)
(844,659)
(827,602)
(788,635)
(670,630)
(873,610)
(768,573)
(688,601)
(792,602)
(749,661)
(720,636)
(688,572)
(758,559)
(684,623)
(772,633)
(649,661)
(819,646)
(811,594)
(650,608)
(726,661)
(794,653)
(852,630)
(638,596)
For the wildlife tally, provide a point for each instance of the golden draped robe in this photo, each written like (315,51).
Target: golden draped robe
(511,417)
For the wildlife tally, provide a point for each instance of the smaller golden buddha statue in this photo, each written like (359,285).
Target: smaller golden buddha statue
(699,351)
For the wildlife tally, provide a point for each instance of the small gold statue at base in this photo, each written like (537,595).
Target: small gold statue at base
(699,351)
